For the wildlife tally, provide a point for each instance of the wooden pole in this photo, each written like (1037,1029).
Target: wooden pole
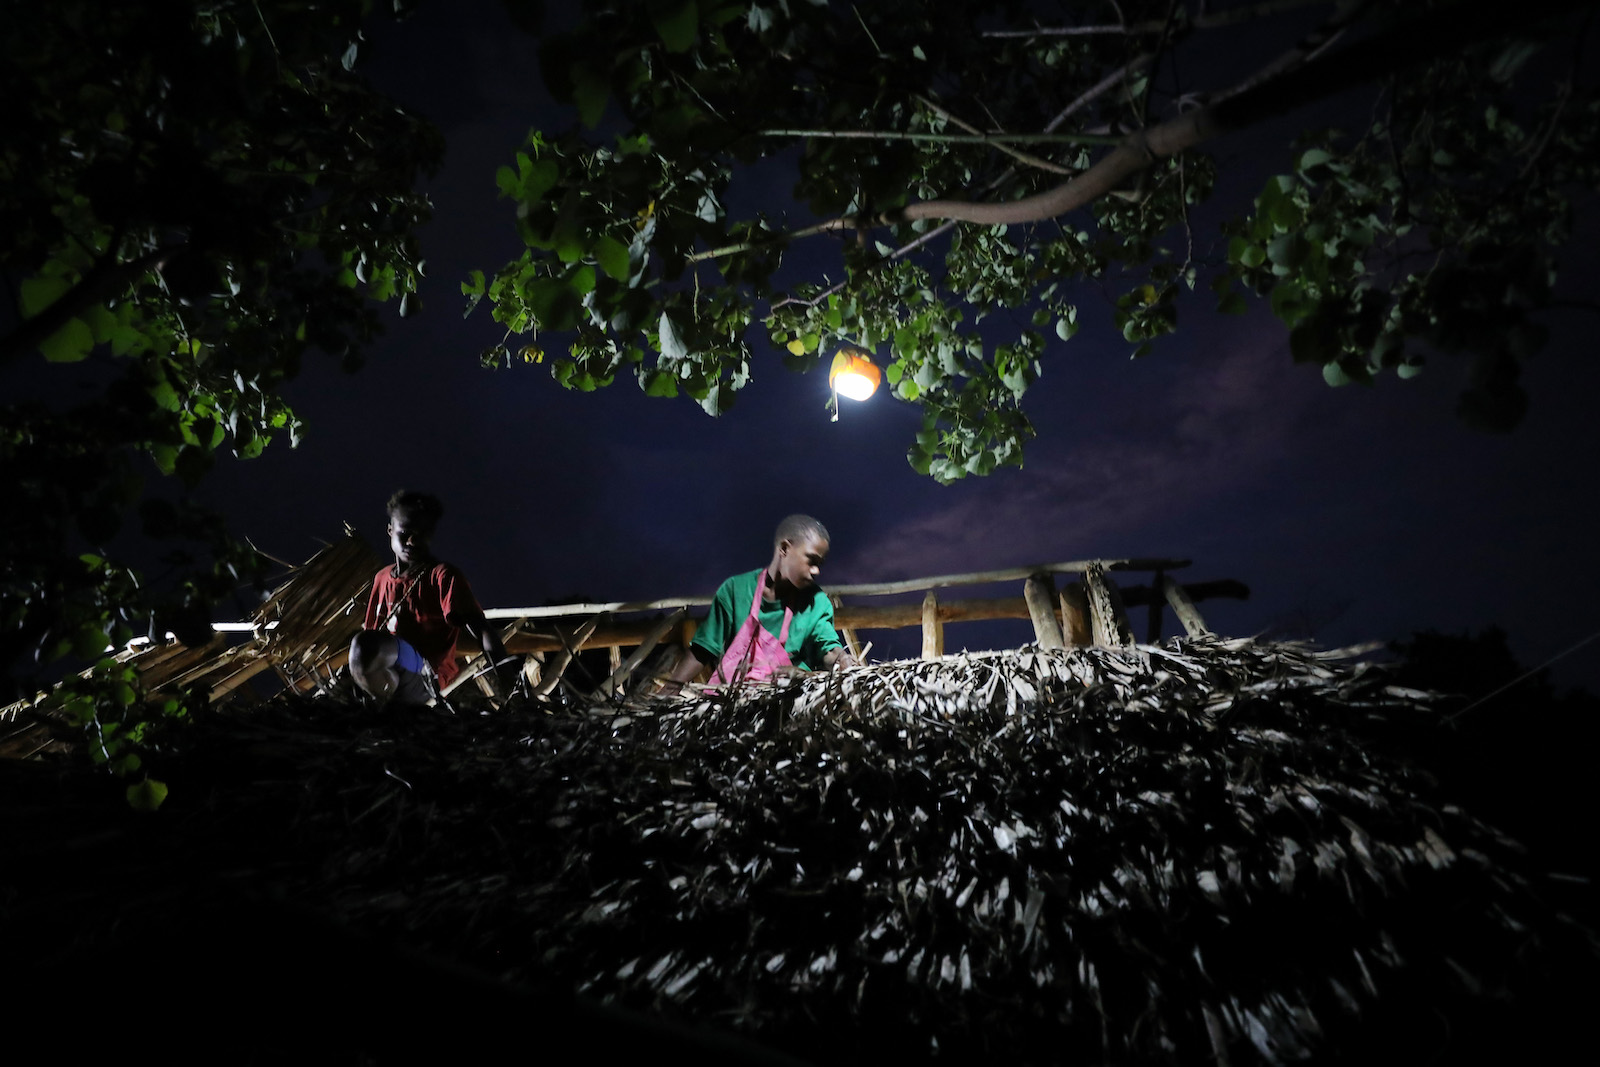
(1152,630)
(1183,607)
(1107,618)
(1075,616)
(932,628)
(1040,592)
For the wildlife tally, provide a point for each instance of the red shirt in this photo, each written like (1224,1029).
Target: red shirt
(434,605)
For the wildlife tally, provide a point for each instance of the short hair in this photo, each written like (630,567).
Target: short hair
(423,506)
(796,528)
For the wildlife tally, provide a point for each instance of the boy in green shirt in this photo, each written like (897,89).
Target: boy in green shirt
(771,622)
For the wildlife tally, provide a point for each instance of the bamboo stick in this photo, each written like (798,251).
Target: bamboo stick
(558,666)
(619,674)
(846,633)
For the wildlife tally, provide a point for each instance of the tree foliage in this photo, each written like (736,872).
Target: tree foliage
(193,195)
(968,158)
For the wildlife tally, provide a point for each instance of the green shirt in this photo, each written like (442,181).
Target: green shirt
(811,633)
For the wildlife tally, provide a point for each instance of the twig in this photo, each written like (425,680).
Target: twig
(1201,22)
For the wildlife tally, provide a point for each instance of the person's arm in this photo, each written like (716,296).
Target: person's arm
(461,608)
(839,659)
(485,636)
(710,639)
(687,667)
(835,656)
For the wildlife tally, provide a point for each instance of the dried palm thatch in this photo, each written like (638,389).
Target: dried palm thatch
(1170,853)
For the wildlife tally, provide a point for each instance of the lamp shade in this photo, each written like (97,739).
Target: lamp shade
(853,374)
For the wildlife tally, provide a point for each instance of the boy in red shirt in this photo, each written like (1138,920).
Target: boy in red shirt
(417,609)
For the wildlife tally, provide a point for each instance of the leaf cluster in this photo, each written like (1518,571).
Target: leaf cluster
(863,126)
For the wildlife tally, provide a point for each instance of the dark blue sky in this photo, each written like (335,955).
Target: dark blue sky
(1353,514)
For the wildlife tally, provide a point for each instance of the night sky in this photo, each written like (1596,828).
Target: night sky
(1353,514)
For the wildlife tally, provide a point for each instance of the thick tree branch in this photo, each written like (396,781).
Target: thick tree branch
(1415,41)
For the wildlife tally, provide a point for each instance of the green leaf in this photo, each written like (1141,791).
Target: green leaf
(165,396)
(612,255)
(718,399)
(1286,214)
(69,344)
(671,342)
(39,293)
(658,383)
(1286,250)
(1334,374)
(1252,256)
(1313,157)
(1232,303)
(1408,370)
(103,322)
(677,21)
(590,91)
(147,795)
(89,642)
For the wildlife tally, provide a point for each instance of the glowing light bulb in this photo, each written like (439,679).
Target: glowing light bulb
(854,375)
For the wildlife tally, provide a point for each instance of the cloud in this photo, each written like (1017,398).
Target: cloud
(1222,424)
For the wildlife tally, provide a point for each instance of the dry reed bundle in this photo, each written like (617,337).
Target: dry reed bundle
(304,624)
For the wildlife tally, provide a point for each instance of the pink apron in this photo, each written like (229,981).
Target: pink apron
(754,654)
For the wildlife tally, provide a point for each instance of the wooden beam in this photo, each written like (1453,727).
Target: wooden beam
(909,585)
(1183,607)
(1040,592)
(932,628)
(883,617)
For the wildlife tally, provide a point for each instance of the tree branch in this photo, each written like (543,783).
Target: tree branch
(1015,153)
(1229,17)
(996,139)
(1415,41)
(1307,48)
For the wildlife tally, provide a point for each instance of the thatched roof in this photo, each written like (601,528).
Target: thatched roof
(1178,853)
